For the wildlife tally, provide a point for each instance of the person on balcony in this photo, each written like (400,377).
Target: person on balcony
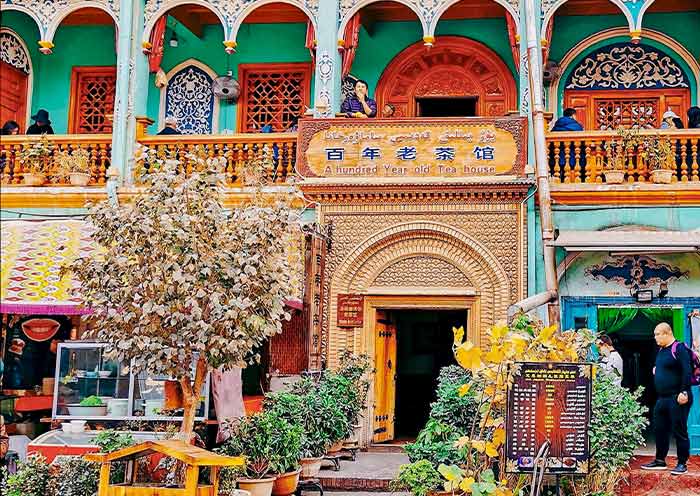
(9,128)
(388,111)
(567,122)
(670,120)
(170,126)
(694,117)
(42,123)
(359,105)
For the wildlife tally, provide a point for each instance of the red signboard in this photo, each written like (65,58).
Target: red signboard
(350,310)
(549,402)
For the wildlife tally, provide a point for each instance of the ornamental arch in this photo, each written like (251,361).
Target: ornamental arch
(456,67)
(612,82)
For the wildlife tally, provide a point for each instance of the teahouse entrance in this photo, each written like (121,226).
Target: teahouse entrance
(411,345)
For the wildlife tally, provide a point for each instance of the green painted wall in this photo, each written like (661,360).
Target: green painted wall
(593,218)
(257,43)
(388,39)
(75,46)
(569,31)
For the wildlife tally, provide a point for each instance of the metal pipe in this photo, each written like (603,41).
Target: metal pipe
(530,303)
(541,163)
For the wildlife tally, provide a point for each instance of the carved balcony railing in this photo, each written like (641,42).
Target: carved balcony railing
(237,150)
(580,157)
(13,168)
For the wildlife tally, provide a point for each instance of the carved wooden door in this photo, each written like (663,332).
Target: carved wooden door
(385,378)
(92,100)
(13,95)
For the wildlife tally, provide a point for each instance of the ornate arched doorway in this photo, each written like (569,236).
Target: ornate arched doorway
(457,72)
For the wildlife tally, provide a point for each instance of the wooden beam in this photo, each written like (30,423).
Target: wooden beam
(191,20)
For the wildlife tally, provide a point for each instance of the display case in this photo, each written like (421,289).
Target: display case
(88,386)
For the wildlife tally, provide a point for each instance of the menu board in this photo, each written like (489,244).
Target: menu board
(549,402)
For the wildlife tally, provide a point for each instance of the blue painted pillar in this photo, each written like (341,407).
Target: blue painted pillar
(327,82)
(132,87)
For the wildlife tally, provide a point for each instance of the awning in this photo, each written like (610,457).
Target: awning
(629,241)
(33,253)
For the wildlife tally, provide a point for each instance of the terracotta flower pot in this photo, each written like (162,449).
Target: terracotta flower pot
(286,484)
(662,176)
(310,467)
(79,178)
(31,179)
(335,447)
(257,487)
(614,176)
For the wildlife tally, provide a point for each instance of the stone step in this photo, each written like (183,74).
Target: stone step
(371,472)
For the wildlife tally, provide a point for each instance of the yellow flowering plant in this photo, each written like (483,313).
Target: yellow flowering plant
(525,340)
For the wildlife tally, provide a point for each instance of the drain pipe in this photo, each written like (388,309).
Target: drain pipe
(550,296)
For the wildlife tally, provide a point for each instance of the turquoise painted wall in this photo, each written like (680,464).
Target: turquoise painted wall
(257,43)
(388,39)
(593,218)
(569,31)
(75,46)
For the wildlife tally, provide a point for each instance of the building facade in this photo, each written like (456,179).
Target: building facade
(395,256)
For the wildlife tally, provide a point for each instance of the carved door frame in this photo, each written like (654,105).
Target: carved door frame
(454,67)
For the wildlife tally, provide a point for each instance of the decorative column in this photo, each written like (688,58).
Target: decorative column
(132,87)
(327,91)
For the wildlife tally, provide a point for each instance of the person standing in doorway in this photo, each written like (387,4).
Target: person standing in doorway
(611,361)
(672,375)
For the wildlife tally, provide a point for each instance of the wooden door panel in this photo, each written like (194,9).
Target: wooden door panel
(385,378)
(13,94)
(583,107)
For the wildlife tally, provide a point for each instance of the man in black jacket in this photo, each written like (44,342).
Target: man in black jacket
(672,382)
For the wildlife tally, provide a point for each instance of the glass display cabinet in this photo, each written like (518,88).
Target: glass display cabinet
(88,386)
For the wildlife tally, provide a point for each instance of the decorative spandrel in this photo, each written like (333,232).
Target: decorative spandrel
(549,402)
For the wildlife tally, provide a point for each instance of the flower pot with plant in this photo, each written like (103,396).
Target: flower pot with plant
(74,165)
(660,158)
(617,153)
(420,478)
(269,444)
(36,160)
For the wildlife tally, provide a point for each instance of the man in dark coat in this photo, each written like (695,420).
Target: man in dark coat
(672,375)
(170,126)
(42,124)
(567,122)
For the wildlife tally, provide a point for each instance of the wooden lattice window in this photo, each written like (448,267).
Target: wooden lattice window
(627,112)
(274,94)
(92,99)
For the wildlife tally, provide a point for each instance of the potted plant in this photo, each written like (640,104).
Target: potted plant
(660,158)
(75,166)
(36,159)
(618,151)
(269,443)
(420,478)
(355,368)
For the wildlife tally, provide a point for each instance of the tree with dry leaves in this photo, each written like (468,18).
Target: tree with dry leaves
(181,284)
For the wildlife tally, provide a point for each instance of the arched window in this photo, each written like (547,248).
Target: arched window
(190,99)
(15,78)
(626,85)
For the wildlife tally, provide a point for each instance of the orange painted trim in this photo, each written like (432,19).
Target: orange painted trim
(636,194)
(245,69)
(74,102)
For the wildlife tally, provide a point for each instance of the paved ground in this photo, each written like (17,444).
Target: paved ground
(370,472)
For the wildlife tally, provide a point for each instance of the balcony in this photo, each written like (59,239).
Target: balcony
(237,149)
(581,157)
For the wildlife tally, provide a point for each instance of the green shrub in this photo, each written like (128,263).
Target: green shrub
(436,443)
(419,478)
(31,479)
(617,424)
(74,476)
(355,368)
(110,440)
(449,407)
(269,443)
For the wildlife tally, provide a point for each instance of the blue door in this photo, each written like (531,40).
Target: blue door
(582,312)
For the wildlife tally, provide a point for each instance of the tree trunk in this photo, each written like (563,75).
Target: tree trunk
(190,395)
